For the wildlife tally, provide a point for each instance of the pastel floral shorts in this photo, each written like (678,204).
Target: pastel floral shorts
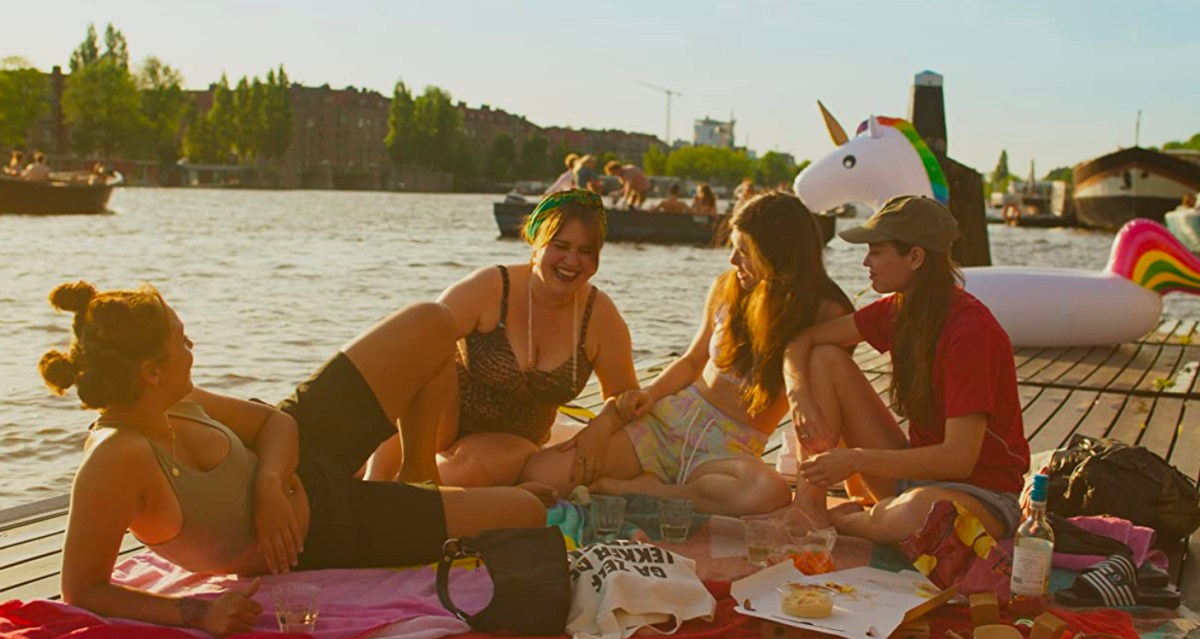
(683,431)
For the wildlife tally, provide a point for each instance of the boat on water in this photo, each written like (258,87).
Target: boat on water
(1112,189)
(1184,224)
(640,226)
(57,196)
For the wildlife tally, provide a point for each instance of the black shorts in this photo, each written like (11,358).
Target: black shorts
(354,523)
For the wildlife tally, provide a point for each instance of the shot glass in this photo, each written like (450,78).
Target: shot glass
(608,513)
(760,541)
(296,607)
(674,519)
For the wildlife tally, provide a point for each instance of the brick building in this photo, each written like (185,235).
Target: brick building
(485,123)
(630,146)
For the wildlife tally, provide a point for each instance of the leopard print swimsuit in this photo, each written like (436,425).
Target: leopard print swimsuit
(496,396)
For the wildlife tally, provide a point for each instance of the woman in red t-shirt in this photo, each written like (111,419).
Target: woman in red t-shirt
(953,378)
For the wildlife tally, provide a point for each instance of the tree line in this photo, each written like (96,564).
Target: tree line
(115,110)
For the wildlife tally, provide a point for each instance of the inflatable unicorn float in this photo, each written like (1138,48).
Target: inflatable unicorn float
(1036,306)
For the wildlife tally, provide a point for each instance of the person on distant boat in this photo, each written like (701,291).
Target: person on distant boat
(634,183)
(672,204)
(565,180)
(15,162)
(704,202)
(530,336)
(699,430)
(585,173)
(219,485)
(953,378)
(38,171)
(744,192)
(99,174)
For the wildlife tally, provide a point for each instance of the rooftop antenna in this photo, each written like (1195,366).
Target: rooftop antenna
(669,93)
(1137,129)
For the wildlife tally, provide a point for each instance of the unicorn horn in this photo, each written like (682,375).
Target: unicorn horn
(1146,253)
(835,130)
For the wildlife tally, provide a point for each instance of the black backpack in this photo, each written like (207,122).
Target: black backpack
(1107,477)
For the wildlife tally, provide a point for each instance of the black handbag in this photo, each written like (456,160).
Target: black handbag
(531,589)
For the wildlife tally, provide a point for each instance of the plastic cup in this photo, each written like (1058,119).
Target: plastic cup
(608,513)
(674,519)
(760,541)
(296,607)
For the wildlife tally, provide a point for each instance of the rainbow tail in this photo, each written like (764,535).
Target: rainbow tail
(1146,253)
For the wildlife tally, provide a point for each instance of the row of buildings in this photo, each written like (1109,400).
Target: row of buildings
(338,142)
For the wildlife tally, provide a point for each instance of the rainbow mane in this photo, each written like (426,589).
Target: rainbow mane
(1146,253)
(937,179)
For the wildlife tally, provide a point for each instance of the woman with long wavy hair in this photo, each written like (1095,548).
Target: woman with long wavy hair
(699,429)
(953,378)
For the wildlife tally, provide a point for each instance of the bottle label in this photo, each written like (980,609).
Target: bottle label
(1031,571)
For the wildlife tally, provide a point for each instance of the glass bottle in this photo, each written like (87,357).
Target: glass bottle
(1033,547)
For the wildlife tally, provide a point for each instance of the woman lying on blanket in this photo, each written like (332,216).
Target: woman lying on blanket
(530,336)
(952,377)
(226,486)
(698,431)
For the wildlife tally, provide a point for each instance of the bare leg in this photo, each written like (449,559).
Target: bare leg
(897,518)
(485,459)
(552,467)
(854,409)
(733,487)
(384,464)
(470,511)
(403,359)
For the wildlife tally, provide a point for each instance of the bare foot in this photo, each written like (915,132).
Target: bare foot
(644,483)
(547,495)
(797,515)
(846,508)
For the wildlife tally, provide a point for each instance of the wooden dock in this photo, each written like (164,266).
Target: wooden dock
(1144,393)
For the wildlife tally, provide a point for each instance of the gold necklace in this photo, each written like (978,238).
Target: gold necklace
(574,330)
(170,429)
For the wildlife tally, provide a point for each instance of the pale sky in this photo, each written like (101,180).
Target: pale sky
(1055,81)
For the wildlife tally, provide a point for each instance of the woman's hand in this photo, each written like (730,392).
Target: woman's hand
(633,404)
(231,613)
(591,448)
(279,538)
(815,433)
(830,467)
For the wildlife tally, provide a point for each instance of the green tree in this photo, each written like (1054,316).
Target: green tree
(1000,176)
(277,118)
(116,49)
(200,143)
(1062,173)
(102,104)
(533,157)
(775,168)
(1193,143)
(399,140)
(88,51)
(437,126)
(221,116)
(654,161)
(23,99)
(501,157)
(164,106)
(723,166)
(249,118)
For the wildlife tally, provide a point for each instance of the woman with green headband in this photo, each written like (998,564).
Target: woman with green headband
(530,336)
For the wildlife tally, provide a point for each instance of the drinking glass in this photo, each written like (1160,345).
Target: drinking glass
(760,541)
(608,513)
(674,519)
(296,607)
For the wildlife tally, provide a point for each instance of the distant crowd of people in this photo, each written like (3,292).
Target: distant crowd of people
(581,173)
(36,171)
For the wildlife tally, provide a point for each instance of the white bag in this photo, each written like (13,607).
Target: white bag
(621,587)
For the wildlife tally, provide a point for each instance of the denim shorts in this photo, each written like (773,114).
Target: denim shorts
(1004,506)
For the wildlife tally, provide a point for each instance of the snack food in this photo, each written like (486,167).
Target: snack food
(811,602)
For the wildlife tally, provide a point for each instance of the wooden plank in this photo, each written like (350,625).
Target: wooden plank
(1130,423)
(1103,413)
(1185,454)
(1035,364)
(1066,361)
(1043,407)
(1056,430)
(1087,366)
(1118,360)
(42,573)
(1161,426)
(41,527)
(1163,332)
(1135,372)
(1160,376)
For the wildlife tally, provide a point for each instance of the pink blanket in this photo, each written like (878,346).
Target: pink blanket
(1138,538)
(382,602)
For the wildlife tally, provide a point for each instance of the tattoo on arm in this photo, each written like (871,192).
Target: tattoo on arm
(193,610)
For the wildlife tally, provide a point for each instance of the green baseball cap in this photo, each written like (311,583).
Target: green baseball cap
(912,219)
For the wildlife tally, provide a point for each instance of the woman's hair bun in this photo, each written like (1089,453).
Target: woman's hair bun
(59,372)
(72,297)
